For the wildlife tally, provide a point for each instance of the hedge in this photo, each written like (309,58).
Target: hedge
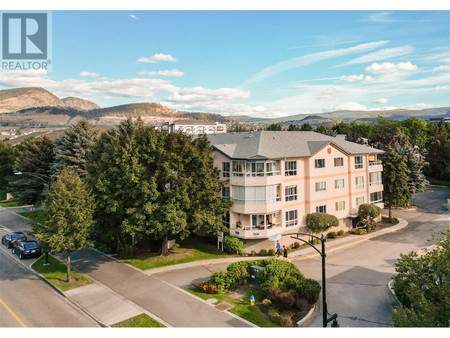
(233,245)
(319,222)
(371,210)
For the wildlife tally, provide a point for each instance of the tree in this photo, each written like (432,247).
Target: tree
(74,147)
(68,220)
(423,288)
(306,127)
(293,127)
(395,180)
(320,222)
(326,130)
(274,127)
(34,158)
(438,146)
(6,164)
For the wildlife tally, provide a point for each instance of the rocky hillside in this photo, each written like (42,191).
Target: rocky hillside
(12,100)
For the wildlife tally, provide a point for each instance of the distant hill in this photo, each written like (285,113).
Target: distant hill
(80,104)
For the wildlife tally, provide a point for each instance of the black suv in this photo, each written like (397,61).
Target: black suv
(10,238)
(26,249)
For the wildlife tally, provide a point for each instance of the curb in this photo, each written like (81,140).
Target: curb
(240,318)
(308,316)
(391,289)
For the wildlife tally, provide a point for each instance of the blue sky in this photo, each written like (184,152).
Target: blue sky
(258,63)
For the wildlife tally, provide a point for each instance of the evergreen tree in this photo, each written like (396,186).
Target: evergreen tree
(274,127)
(395,180)
(306,127)
(34,158)
(438,146)
(68,216)
(73,148)
(6,164)
(293,127)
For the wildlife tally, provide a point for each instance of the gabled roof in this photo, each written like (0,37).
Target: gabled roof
(282,144)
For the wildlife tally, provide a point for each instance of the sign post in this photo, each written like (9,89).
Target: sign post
(219,240)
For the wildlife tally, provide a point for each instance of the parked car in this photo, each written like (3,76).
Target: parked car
(10,238)
(26,249)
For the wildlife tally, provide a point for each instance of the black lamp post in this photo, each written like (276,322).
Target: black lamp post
(325,318)
(46,179)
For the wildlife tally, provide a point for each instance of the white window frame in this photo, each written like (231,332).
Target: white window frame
(317,161)
(358,198)
(361,184)
(320,184)
(378,176)
(338,158)
(324,207)
(226,173)
(238,163)
(336,186)
(290,193)
(291,218)
(359,164)
(379,199)
(340,205)
(290,168)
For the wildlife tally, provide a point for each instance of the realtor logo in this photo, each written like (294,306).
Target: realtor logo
(26,41)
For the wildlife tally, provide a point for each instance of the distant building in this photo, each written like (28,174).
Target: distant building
(437,120)
(194,127)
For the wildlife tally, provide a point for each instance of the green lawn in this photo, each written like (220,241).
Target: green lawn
(187,252)
(242,307)
(7,204)
(438,181)
(141,320)
(37,216)
(56,273)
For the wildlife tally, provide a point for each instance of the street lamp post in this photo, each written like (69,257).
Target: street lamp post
(325,318)
(48,180)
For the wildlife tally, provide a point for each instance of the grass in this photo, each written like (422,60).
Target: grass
(7,204)
(141,320)
(2,195)
(37,216)
(56,273)
(242,307)
(188,252)
(438,181)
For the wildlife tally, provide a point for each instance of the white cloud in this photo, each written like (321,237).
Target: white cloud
(131,15)
(447,67)
(382,101)
(157,57)
(443,87)
(345,106)
(353,78)
(88,74)
(311,58)
(172,72)
(382,17)
(387,67)
(200,94)
(381,54)
(418,106)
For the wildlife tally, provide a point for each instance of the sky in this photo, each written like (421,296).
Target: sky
(256,63)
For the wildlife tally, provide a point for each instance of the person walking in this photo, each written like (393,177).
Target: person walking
(278,249)
(285,252)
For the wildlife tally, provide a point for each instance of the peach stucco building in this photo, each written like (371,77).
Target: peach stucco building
(276,178)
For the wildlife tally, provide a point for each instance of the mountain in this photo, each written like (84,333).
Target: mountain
(12,100)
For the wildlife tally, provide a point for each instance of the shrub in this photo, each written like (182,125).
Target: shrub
(300,304)
(332,234)
(263,252)
(296,245)
(394,220)
(271,252)
(267,302)
(319,222)
(309,289)
(274,316)
(207,287)
(341,233)
(286,321)
(358,231)
(289,283)
(253,253)
(233,245)
(288,248)
(271,292)
(238,273)
(279,269)
(371,210)
(315,241)
(285,300)
(221,280)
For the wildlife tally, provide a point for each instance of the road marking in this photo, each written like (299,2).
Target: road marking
(12,313)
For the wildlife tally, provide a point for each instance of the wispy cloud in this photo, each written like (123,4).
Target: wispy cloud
(386,17)
(382,100)
(89,74)
(387,67)
(311,58)
(158,57)
(172,72)
(131,15)
(437,69)
(353,78)
(381,54)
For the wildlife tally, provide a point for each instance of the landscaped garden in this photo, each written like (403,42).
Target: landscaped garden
(282,295)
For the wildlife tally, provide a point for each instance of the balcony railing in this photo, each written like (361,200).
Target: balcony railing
(256,174)
(258,227)
(375,163)
(377,201)
(375,183)
(253,202)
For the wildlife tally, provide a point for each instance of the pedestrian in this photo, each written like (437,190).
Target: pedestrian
(285,252)
(278,249)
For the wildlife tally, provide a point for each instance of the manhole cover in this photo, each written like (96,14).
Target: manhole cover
(224,306)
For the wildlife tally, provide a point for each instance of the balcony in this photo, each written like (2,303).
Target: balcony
(375,166)
(256,232)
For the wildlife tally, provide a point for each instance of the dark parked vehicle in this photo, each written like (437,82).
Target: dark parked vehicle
(26,249)
(10,238)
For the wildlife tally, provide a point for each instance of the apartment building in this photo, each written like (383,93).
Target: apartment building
(276,178)
(194,127)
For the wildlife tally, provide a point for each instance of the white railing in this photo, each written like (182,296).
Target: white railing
(377,201)
(252,202)
(256,174)
(375,183)
(375,163)
(258,227)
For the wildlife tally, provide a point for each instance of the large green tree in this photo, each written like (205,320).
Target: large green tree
(73,147)
(68,211)
(395,180)
(34,157)
(423,288)
(154,185)
(6,164)
(438,152)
